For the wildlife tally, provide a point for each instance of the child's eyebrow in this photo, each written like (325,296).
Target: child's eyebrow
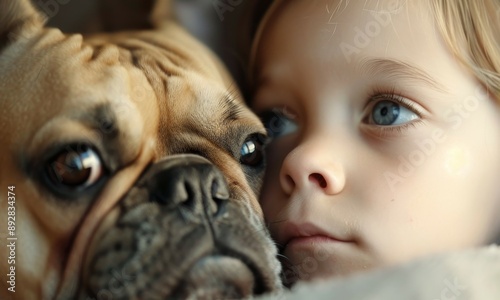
(393,68)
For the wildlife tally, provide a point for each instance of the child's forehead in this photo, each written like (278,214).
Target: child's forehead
(358,26)
(350,27)
(329,12)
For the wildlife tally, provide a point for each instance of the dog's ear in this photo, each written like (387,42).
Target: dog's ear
(162,11)
(18,19)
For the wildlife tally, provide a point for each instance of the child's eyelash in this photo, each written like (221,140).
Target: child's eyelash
(393,95)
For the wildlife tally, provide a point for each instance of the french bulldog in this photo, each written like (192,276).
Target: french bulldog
(130,166)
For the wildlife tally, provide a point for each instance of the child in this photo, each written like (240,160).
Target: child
(385,119)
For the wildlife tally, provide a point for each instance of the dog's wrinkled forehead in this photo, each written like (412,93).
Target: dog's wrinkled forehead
(124,81)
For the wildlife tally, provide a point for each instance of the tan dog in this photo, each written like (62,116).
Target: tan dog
(132,166)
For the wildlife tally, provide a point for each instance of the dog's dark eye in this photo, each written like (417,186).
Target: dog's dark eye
(75,167)
(252,150)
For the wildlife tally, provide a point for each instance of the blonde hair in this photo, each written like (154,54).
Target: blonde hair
(471,28)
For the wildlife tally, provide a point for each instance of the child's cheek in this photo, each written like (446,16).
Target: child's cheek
(453,162)
(457,161)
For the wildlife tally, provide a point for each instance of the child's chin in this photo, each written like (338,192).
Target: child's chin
(317,265)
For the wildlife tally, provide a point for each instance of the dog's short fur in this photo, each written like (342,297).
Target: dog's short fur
(135,164)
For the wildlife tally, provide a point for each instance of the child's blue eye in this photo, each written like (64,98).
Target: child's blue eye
(278,124)
(389,112)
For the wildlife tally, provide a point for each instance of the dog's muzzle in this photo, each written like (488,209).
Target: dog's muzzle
(180,233)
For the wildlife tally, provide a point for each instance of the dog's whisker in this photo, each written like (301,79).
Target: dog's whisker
(232,90)
(279,255)
(277,222)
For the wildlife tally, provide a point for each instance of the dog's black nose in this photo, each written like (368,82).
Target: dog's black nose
(189,182)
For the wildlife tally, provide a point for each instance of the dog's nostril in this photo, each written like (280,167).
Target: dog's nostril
(190,199)
(219,190)
(173,192)
(220,195)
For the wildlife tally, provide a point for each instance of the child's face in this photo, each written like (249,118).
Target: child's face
(385,147)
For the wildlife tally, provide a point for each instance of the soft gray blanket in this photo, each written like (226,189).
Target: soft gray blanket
(469,274)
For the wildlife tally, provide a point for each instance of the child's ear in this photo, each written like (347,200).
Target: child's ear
(18,19)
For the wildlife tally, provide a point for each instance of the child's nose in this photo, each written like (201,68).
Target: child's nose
(312,165)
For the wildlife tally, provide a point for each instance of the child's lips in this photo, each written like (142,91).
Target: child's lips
(308,234)
(311,241)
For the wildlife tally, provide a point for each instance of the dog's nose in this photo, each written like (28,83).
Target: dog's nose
(191,183)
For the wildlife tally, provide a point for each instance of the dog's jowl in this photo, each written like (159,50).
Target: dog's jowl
(135,165)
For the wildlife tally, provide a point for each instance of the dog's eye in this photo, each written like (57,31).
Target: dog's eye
(75,167)
(252,150)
